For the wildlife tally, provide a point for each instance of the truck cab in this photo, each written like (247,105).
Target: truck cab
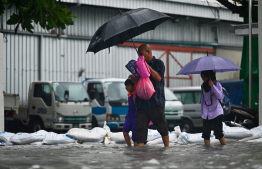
(109,101)
(57,106)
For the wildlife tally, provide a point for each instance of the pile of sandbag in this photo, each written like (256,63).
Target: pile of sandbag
(236,132)
(103,135)
(256,135)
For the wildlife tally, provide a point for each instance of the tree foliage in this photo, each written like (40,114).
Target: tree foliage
(48,14)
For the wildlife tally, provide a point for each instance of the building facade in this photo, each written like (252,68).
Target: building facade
(198,28)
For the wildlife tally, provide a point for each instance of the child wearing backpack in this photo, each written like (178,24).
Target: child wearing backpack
(211,109)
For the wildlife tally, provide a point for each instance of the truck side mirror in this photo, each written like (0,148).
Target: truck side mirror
(92,94)
(66,96)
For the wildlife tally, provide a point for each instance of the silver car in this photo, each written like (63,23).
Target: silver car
(190,97)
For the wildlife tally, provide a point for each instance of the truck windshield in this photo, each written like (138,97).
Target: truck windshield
(170,96)
(117,94)
(77,92)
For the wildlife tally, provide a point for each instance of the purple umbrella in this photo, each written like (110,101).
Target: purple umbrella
(215,63)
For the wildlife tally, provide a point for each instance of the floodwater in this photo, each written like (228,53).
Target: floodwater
(235,155)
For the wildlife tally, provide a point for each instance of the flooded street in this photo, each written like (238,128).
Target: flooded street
(235,155)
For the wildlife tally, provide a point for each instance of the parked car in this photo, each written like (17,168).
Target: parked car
(190,98)
(173,110)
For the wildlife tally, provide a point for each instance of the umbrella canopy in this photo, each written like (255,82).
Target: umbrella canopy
(125,26)
(215,63)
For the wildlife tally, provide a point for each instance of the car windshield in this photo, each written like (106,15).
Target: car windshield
(117,94)
(170,96)
(77,92)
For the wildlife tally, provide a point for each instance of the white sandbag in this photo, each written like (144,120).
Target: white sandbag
(186,138)
(173,137)
(54,138)
(152,135)
(159,140)
(190,138)
(235,132)
(259,140)
(256,133)
(117,137)
(5,136)
(27,138)
(97,134)
(107,140)
(155,141)
(38,143)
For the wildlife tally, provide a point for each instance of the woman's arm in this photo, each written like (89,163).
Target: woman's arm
(217,89)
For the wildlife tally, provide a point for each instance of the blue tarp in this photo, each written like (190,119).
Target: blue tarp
(235,90)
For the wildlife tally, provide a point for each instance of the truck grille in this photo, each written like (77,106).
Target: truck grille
(74,119)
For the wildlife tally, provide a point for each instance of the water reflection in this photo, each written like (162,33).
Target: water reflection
(233,155)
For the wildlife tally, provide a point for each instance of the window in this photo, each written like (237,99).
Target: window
(117,94)
(76,91)
(170,96)
(197,97)
(185,97)
(43,91)
(97,88)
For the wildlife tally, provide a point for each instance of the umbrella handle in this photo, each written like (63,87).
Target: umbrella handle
(135,47)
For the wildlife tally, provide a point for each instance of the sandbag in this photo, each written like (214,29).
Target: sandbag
(186,138)
(152,135)
(5,136)
(159,140)
(190,138)
(259,140)
(156,141)
(256,133)
(54,138)
(235,132)
(173,137)
(27,138)
(117,137)
(97,134)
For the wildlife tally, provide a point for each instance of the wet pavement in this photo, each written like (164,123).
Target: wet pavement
(235,155)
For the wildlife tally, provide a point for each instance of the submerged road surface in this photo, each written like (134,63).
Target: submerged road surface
(235,155)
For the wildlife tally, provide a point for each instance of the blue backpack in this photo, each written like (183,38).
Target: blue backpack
(226,102)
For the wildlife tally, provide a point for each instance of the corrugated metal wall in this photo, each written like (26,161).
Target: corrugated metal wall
(186,30)
(21,63)
(42,57)
(61,60)
(194,9)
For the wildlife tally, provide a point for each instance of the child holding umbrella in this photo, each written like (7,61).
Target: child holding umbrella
(211,109)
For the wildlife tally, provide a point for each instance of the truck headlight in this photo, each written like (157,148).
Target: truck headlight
(181,112)
(112,117)
(58,118)
(89,118)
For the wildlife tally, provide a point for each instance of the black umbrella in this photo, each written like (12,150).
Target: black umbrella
(125,26)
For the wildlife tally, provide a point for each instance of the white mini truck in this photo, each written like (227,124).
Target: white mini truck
(56,106)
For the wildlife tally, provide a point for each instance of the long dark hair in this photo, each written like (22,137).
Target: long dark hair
(210,74)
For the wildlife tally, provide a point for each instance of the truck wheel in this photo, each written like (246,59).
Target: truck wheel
(94,122)
(37,125)
(187,126)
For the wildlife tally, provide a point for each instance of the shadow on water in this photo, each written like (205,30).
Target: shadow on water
(87,156)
